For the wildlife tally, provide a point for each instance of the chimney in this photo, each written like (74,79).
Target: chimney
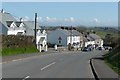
(2,11)
(20,19)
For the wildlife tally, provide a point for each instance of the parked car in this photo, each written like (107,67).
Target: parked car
(108,48)
(100,48)
(86,49)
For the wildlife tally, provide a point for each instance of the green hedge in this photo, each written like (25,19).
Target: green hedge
(17,44)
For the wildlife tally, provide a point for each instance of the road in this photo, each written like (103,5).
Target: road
(54,65)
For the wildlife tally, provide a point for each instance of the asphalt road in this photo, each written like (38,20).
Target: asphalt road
(55,65)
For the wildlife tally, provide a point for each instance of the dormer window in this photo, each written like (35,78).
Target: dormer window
(9,23)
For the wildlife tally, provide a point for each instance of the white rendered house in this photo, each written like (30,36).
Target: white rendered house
(94,40)
(41,40)
(15,28)
(64,37)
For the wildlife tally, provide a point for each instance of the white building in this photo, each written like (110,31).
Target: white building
(15,28)
(94,40)
(41,40)
(64,37)
(10,26)
(4,16)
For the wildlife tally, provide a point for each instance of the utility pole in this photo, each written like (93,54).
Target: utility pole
(70,45)
(35,26)
(71,35)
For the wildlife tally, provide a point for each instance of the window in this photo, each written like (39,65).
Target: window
(59,41)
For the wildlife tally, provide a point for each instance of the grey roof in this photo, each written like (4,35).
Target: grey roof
(6,17)
(75,32)
(68,32)
(94,36)
(31,24)
(18,23)
(90,38)
(64,31)
(3,29)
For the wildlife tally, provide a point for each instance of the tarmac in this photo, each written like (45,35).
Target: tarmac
(103,71)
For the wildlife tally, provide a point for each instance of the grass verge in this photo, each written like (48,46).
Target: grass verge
(116,69)
(14,51)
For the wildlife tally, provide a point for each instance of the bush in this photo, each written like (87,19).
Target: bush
(12,44)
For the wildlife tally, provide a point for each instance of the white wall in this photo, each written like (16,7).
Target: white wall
(44,42)
(89,43)
(14,32)
(13,25)
(99,42)
(54,35)
(74,39)
(38,39)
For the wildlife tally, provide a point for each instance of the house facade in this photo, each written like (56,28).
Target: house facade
(10,26)
(41,40)
(93,40)
(4,16)
(64,37)
(15,28)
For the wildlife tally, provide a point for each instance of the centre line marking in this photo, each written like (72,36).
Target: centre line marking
(26,77)
(47,66)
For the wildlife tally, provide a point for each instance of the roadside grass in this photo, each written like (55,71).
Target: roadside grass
(116,69)
(22,50)
(112,59)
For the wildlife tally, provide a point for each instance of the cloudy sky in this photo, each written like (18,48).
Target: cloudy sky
(66,13)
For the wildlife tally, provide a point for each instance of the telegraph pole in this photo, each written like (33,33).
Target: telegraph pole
(35,26)
(70,45)
(71,36)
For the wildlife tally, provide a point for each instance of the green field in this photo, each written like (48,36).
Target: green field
(103,33)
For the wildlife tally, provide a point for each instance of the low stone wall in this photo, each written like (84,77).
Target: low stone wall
(17,41)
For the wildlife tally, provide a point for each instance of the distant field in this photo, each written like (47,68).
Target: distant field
(103,33)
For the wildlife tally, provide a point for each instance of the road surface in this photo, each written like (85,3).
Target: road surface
(54,65)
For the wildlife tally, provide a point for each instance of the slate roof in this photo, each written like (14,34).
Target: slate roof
(94,36)
(68,32)
(64,31)
(75,32)
(18,23)
(31,24)
(3,29)
(6,17)
(91,37)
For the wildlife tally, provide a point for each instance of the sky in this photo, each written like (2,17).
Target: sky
(66,13)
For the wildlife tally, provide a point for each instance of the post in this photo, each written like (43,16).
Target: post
(71,36)
(70,45)
(35,27)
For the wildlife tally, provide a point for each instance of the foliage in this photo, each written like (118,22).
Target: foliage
(18,44)
(113,59)
(13,51)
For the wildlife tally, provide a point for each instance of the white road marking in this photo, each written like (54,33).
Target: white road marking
(15,60)
(47,66)
(26,77)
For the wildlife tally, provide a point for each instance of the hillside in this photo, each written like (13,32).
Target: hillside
(113,59)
